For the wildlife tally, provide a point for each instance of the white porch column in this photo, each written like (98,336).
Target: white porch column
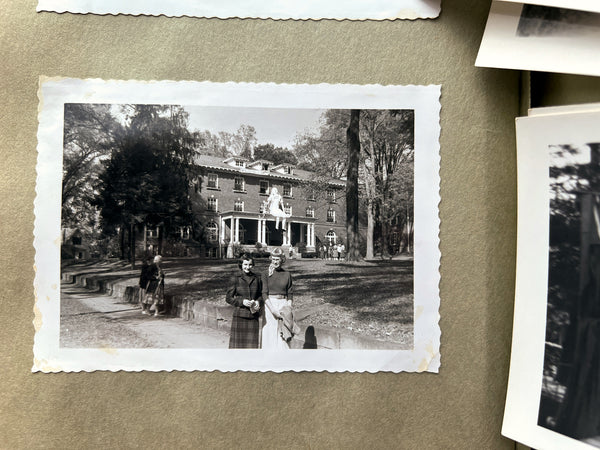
(231,235)
(237,229)
(261,228)
(307,234)
(221,230)
(288,235)
(258,230)
(312,234)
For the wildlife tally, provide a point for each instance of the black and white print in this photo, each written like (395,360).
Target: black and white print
(254,215)
(541,38)
(553,396)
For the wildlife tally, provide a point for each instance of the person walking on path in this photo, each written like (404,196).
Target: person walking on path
(278,327)
(245,294)
(156,286)
(144,280)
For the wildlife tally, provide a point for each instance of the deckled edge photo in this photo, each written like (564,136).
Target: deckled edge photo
(566,42)
(532,337)
(271,9)
(55,93)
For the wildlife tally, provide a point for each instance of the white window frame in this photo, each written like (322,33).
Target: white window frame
(216,203)
(331,215)
(287,208)
(243,189)
(260,187)
(288,186)
(216,175)
(331,195)
(310,211)
(236,203)
(331,237)
(212,227)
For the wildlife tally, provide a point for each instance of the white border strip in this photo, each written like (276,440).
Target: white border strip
(262,9)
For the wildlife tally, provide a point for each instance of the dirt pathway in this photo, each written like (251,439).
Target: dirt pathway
(91,320)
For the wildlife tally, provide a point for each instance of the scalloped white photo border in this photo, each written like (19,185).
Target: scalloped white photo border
(259,9)
(55,92)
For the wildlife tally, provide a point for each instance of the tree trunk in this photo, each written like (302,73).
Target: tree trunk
(385,244)
(145,253)
(132,244)
(160,230)
(353,146)
(122,241)
(370,228)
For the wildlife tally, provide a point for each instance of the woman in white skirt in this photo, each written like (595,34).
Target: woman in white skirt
(279,304)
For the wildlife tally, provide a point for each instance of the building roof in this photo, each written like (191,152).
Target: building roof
(220,163)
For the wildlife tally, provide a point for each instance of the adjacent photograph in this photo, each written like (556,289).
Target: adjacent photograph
(554,387)
(265,9)
(582,5)
(206,226)
(541,38)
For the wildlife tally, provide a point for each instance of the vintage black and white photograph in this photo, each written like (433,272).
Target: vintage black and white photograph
(562,297)
(570,398)
(548,21)
(541,38)
(265,9)
(581,5)
(238,227)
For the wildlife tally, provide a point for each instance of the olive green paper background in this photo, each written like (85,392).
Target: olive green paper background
(461,407)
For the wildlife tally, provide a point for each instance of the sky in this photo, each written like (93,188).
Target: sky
(273,125)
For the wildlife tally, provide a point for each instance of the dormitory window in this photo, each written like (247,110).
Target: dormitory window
(263,187)
(213,181)
(310,212)
(331,195)
(212,204)
(238,206)
(330,215)
(211,231)
(287,209)
(238,184)
(287,190)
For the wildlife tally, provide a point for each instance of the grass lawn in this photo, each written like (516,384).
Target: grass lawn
(373,299)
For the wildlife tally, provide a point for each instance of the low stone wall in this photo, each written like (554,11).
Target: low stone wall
(218,316)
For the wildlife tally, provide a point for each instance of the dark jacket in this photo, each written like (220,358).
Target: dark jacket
(240,289)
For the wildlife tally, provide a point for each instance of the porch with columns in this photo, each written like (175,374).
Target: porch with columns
(263,231)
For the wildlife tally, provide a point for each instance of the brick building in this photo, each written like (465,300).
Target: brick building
(231,202)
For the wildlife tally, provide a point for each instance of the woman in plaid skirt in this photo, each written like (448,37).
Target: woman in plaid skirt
(245,294)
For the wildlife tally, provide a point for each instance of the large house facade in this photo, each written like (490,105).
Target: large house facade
(231,196)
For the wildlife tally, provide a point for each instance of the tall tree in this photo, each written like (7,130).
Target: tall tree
(353,145)
(90,133)
(388,141)
(147,178)
(325,152)
(276,155)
